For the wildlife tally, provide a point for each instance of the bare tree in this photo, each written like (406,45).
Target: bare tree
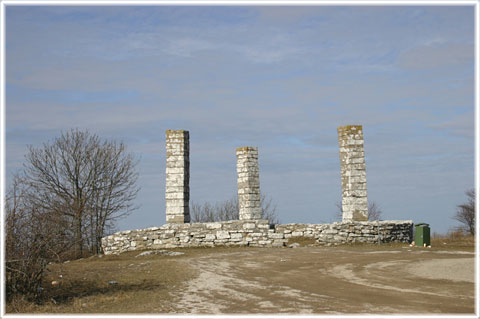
(374,211)
(229,210)
(92,182)
(34,237)
(466,213)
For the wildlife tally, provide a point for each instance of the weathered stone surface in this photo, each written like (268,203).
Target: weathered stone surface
(353,173)
(177,192)
(223,234)
(255,233)
(275,235)
(250,230)
(248,183)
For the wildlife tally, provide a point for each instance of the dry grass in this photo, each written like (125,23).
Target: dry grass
(143,284)
(454,240)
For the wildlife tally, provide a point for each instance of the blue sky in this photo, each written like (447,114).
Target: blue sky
(280,78)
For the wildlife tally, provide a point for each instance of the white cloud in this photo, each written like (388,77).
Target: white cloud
(277,84)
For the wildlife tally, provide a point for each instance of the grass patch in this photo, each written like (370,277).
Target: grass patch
(454,240)
(142,284)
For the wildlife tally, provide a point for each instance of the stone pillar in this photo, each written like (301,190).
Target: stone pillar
(354,174)
(177,191)
(248,183)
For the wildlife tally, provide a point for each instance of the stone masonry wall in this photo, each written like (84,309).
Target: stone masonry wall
(255,233)
(248,182)
(177,191)
(250,230)
(353,172)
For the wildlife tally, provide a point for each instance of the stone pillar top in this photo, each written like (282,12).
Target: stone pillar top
(173,132)
(247,149)
(349,127)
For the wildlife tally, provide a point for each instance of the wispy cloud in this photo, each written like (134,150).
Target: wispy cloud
(461,125)
(281,78)
(437,56)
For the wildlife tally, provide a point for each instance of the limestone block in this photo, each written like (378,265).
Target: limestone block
(176,180)
(174,162)
(176,210)
(249,203)
(213,225)
(221,234)
(248,226)
(355,193)
(275,235)
(354,202)
(278,243)
(177,189)
(210,237)
(236,235)
(249,197)
(176,203)
(263,226)
(249,190)
(330,231)
(355,173)
(265,242)
(177,195)
(178,218)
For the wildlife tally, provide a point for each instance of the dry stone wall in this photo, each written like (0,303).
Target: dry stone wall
(250,230)
(255,233)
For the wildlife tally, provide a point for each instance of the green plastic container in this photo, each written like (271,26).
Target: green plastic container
(422,234)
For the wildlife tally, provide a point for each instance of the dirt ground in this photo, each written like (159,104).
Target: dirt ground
(370,279)
(330,280)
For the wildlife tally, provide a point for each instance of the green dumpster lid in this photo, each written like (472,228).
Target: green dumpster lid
(421,224)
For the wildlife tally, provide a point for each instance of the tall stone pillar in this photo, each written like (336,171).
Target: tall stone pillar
(248,183)
(177,191)
(354,174)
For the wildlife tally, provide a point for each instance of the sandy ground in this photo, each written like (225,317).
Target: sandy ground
(328,280)
(454,269)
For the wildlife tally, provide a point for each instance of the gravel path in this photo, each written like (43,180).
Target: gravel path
(328,280)
(454,269)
